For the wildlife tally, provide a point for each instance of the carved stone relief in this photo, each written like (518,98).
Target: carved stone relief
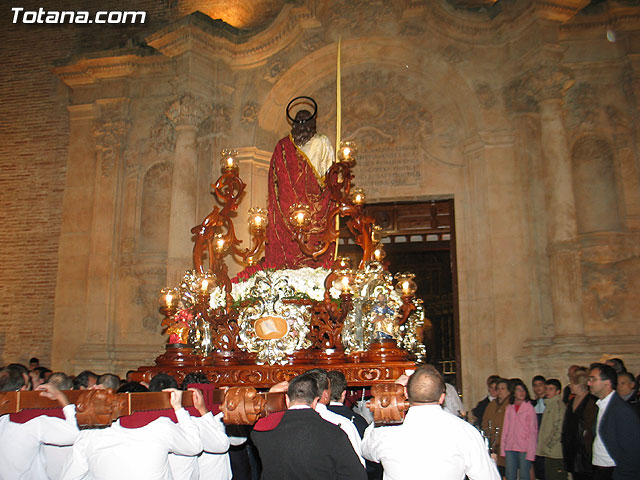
(621,123)
(162,135)
(375,114)
(518,99)
(249,113)
(275,67)
(155,208)
(398,124)
(411,29)
(110,133)
(486,96)
(312,43)
(219,122)
(361,15)
(604,289)
(143,286)
(452,54)
(583,106)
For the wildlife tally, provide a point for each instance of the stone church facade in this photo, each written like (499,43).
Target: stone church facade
(525,112)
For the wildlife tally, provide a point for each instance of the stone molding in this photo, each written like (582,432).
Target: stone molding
(609,247)
(88,71)
(556,353)
(559,10)
(191,34)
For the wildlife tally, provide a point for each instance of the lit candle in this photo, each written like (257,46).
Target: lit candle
(257,220)
(406,286)
(168,299)
(347,152)
(229,162)
(299,215)
(357,196)
(343,263)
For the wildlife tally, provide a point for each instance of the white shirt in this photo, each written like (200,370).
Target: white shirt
(540,406)
(601,456)
(213,463)
(54,458)
(452,402)
(431,443)
(21,443)
(121,453)
(345,424)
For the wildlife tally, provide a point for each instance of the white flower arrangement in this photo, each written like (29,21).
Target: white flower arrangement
(306,281)
(218,298)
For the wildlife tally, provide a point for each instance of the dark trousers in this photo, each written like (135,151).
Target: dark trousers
(603,473)
(554,469)
(582,476)
(538,468)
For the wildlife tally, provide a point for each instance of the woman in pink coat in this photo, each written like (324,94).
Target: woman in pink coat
(519,433)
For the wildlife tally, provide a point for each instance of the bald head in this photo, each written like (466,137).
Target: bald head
(426,385)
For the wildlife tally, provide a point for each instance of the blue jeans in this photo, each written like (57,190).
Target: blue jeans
(517,461)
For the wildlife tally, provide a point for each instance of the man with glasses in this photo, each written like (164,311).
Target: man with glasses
(616,453)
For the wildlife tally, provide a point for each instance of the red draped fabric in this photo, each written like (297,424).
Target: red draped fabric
(292,179)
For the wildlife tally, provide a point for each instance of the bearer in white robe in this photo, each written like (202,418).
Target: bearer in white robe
(213,463)
(21,444)
(117,452)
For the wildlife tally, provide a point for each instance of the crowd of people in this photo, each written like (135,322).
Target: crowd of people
(590,429)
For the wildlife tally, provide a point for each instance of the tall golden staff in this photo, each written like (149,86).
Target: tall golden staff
(338,129)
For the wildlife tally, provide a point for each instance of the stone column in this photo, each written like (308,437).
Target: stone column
(187,114)
(549,82)
(628,152)
(110,132)
(75,239)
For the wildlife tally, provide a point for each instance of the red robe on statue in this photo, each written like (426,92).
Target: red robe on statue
(293,179)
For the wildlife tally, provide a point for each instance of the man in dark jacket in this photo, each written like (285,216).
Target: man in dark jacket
(616,454)
(338,391)
(303,445)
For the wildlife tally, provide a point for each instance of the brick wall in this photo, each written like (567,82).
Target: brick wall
(34,131)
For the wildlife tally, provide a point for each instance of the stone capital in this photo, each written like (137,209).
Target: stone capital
(188,110)
(543,81)
(547,81)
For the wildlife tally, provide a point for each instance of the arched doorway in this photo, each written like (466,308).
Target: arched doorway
(420,237)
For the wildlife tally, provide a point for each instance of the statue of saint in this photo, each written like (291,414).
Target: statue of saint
(296,175)
(385,326)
